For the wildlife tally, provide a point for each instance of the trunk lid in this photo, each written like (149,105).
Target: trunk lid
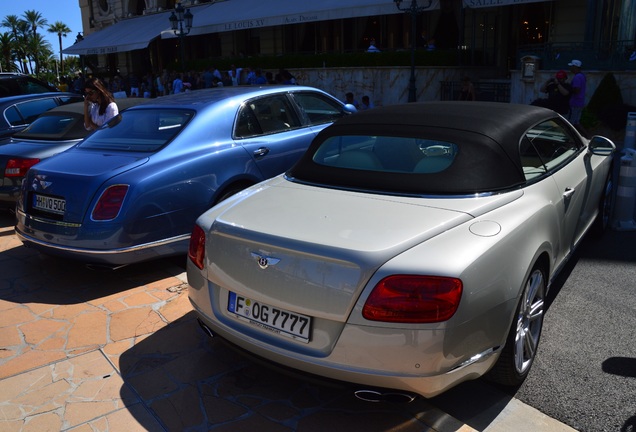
(77,177)
(322,245)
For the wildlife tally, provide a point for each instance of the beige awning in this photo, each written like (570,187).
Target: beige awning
(230,15)
(495,3)
(126,35)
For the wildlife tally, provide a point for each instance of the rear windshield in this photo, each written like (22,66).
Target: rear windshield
(386,154)
(406,160)
(144,130)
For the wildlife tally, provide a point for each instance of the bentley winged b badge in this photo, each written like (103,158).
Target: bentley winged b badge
(264,261)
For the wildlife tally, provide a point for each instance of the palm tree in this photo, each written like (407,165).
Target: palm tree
(35,20)
(12,22)
(21,39)
(6,52)
(62,30)
(40,50)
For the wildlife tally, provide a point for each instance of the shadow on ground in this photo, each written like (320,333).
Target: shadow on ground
(191,382)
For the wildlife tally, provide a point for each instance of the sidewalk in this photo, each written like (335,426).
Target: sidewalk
(83,350)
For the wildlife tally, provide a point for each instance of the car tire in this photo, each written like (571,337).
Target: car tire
(605,207)
(518,354)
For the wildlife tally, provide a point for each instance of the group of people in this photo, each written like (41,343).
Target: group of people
(176,82)
(360,106)
(100,95)
(566,98)
(170,82)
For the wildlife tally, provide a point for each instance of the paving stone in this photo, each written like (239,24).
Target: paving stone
(134,322)
(140,299)
(278,411)
(253,422)
(88,330)
(177,307)
(180,410)
(28,359)
(9,336)
(37,331)
(47,422)
(219,410)
(152,384)
(15,316)
(135,418)
(368,420)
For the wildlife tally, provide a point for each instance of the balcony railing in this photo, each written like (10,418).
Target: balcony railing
(492,91)
(609,55)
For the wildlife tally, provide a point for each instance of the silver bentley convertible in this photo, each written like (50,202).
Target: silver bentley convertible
(410,248)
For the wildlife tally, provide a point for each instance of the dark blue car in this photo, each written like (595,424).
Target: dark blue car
(132,190)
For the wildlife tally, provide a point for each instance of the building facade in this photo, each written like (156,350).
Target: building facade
(491,38)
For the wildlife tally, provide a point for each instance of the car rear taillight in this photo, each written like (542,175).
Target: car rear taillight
(196,251)
(109,204)
(18,167)
(413,299)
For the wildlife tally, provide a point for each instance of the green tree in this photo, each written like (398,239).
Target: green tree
(61,30)
(6,52)
(40,50)
(21,45)
(35,20)
(12,22)
(73,65)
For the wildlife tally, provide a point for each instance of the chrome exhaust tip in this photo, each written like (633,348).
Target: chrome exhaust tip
(387,396)
(205,328)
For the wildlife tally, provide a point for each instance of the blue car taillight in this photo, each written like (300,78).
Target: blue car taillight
(109,204)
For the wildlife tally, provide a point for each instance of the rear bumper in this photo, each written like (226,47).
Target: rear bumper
(355,375)
(110,255)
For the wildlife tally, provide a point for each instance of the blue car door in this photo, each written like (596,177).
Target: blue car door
(270,130)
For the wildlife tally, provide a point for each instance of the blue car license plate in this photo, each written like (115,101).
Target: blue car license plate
(280,321)
(49,204)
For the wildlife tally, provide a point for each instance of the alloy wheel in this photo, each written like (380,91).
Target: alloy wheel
(529,321)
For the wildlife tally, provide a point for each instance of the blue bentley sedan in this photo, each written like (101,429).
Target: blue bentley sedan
(132,190)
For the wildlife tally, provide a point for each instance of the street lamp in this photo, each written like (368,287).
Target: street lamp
(413,10)
(183,16)
(78,39)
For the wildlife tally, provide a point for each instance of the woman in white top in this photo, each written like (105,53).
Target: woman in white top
(99,104)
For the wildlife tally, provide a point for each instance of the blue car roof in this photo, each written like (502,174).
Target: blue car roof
(196,98)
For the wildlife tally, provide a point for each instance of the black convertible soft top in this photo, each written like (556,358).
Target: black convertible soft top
(487,135)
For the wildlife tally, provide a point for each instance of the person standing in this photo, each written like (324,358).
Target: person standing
(467,92)
(177,84)
(559,92)
(577,99)
(366,103)
(372,47)
(99,104)
(350,100)
(208,78)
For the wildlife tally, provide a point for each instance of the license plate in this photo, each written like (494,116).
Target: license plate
(280,321)
(49,204)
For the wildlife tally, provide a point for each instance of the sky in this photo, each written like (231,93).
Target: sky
(67,11)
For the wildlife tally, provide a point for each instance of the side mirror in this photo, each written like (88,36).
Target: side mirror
(350,108)
(601,146)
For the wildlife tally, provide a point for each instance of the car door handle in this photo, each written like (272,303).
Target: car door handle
(567,195)
(260,152)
